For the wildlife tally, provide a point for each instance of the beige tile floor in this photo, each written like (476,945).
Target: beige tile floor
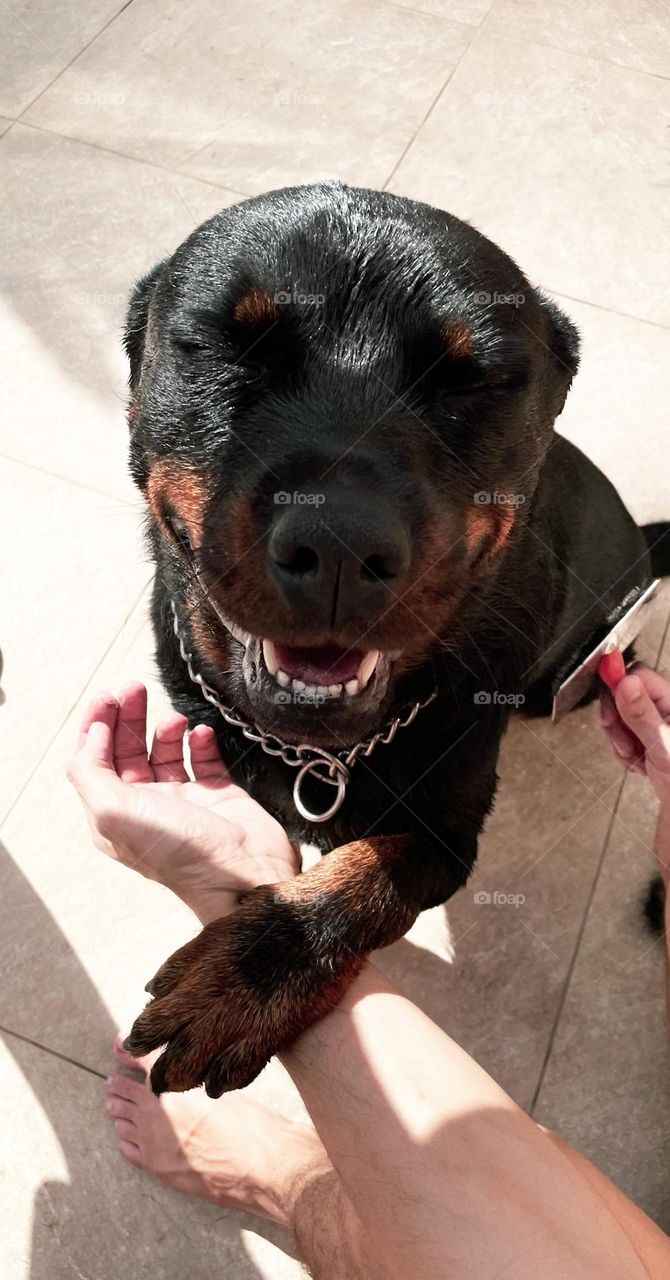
(123,126)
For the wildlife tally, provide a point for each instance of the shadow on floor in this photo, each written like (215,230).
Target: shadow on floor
(105,1206)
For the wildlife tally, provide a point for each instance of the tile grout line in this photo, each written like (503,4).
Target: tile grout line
(538,44)
(575,954)
(474,28)
(568,53)
(541,44)
(580,935)
(441,91)
(4,818)
(600,306)
(246,195)
(427,13)
(67,66)
(54,1053)
(124,155)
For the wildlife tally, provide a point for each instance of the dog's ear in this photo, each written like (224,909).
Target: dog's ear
(137,317)
(562,342)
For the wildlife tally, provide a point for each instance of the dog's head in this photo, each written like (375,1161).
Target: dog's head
(340,401)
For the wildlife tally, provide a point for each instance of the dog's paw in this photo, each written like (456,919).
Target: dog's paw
(238,993)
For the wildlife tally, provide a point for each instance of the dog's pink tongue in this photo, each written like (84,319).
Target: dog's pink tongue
(328,664)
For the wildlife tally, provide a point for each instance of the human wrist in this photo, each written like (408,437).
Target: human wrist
(302,1178)
(336,1024)
(211,902)
(208,904)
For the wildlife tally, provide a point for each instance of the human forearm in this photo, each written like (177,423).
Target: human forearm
(430,1151)
(377,1057)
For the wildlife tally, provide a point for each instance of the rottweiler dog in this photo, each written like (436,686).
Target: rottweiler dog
(370,546)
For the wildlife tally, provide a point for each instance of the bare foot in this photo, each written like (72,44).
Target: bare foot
(231,1151)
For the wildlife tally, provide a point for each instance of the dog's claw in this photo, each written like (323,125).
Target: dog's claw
(133,1044)
(235,1068)
(215,1086)
(157,1077)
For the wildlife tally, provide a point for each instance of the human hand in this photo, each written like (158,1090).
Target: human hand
(636,719)
(205,839)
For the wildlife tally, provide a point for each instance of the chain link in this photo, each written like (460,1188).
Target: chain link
(332,768)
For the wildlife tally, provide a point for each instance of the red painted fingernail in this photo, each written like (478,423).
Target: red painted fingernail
(612,668)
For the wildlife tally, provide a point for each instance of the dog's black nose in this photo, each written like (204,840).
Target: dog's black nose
(341,558)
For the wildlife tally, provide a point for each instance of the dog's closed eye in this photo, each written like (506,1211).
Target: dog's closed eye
(178,528)
(198,337)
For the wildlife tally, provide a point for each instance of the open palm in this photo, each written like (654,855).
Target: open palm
(203,837)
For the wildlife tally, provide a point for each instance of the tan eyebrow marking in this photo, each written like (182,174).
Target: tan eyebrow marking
(185,491)
(457,338)
(255,307)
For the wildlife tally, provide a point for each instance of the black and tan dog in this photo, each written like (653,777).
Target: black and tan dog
(342,418)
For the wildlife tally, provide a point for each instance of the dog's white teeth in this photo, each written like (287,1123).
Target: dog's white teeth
(270,657)
(363,676)
(367,667)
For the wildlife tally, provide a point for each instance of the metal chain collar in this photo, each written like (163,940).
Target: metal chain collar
(333,769)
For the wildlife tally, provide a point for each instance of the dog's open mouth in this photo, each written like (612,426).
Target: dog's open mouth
(312,692)
(327,670)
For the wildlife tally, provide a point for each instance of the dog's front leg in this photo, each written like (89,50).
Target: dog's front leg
(251,982)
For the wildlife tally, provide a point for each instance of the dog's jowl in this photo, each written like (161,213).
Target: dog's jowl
(371,547)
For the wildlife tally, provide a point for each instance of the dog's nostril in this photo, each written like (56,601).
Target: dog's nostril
(376,569)
(303,561)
